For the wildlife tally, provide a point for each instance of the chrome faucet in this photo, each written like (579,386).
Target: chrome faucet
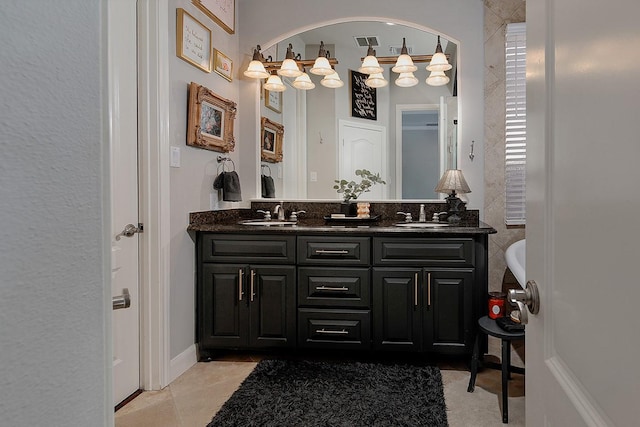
(279,210)
(436,216)
(422,217)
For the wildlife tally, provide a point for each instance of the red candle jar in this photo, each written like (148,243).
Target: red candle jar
(496,304)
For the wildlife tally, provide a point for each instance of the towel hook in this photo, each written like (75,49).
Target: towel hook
(268,168)
(223,160)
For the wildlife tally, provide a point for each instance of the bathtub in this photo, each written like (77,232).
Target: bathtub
(515,256)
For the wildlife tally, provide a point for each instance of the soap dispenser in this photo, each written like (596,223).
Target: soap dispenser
(422,217)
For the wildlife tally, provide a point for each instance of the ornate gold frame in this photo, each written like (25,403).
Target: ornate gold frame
(273,131)
(218,114)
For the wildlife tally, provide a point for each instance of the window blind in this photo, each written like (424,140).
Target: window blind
(515,124)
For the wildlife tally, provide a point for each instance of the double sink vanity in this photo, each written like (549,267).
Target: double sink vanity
(322,284)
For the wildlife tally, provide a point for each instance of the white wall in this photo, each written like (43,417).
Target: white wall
(192,183)
(54,342)
(460,21)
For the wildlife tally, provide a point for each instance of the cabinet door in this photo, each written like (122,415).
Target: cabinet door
(397,310)
(448,320)
(272,303)
(223,311)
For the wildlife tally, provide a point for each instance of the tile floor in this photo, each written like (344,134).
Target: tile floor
(194,398)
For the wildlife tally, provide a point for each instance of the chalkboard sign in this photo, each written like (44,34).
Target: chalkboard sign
(363,97)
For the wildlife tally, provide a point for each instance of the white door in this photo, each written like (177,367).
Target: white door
(361,147)
(583,199)
(124,195)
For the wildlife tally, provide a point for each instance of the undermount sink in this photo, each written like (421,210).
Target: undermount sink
(263,223)
(422,224)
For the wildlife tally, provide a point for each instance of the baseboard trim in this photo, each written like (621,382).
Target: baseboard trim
(182,362)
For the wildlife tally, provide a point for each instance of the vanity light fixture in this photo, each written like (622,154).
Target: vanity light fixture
(439,60)
(404,64)
(453,181)
(437,78)
(256,69)
(370,63)
(322,66)
(289,67)
(303,82)
(406,80)
(332,81)
(274,84)
(376,80)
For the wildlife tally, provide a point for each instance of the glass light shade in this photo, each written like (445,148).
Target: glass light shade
(406,80)
(437,78)
(404,64)
(303,82)
(289,68)
(274,84)
(256,70)
(452,180)
(376,80)
(370,66)
(439,62)
(332,81)
(321,67)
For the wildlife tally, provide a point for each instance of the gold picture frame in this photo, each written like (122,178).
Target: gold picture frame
(193,41)
(222,65)
(273,100)
(271,134)
(222,12)
(210,120)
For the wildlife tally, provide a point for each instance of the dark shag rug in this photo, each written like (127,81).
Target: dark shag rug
(315,393)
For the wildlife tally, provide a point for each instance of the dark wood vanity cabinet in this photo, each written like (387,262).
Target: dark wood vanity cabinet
(243,305)
(381,291)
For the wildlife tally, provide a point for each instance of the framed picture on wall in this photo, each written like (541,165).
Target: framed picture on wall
(271,134)
(222,12)
(222,64)
(193,41)
(210,120)
(273,100)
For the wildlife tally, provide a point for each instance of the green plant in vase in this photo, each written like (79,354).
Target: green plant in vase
(351,190)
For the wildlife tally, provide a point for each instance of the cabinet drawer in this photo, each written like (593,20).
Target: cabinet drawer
(334,287)
(341,329)
(247,248)
(322,250)
(456,252)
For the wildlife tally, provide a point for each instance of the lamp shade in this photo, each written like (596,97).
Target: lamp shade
(256,70)
(321,66)
(437,78)
(406,80)
(404,64)
(289,68)
(332,81)
(452,181)
(439,60)
(370,65)
(274,84)
(376,80)
(303,82)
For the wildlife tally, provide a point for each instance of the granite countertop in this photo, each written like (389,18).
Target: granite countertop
(313,226)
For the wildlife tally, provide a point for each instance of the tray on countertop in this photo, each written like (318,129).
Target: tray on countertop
(352,220)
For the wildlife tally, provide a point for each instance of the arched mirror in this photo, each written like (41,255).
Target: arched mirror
(407,134)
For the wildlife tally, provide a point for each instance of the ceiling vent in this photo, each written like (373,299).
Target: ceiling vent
(364,41)
(396,50)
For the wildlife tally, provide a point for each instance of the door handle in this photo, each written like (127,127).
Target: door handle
(240,291)
(253,277)
(121,301)
(527,298)
(129,231)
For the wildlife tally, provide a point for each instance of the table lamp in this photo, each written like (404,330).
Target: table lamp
(453,181)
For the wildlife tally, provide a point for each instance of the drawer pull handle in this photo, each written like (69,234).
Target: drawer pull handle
(253,277)
(429,290)
(332,288)
(240,292)
(415,290)
(331,252)
(324,331)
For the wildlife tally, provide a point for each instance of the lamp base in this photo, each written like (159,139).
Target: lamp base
(454,204)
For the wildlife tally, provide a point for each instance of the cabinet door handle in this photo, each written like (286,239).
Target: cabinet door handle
(415,290)
(240,292)
(428,289)
(331,252)
(324,331)
(253,276)
(332,288)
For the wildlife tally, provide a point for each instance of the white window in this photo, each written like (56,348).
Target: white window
(516,123)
